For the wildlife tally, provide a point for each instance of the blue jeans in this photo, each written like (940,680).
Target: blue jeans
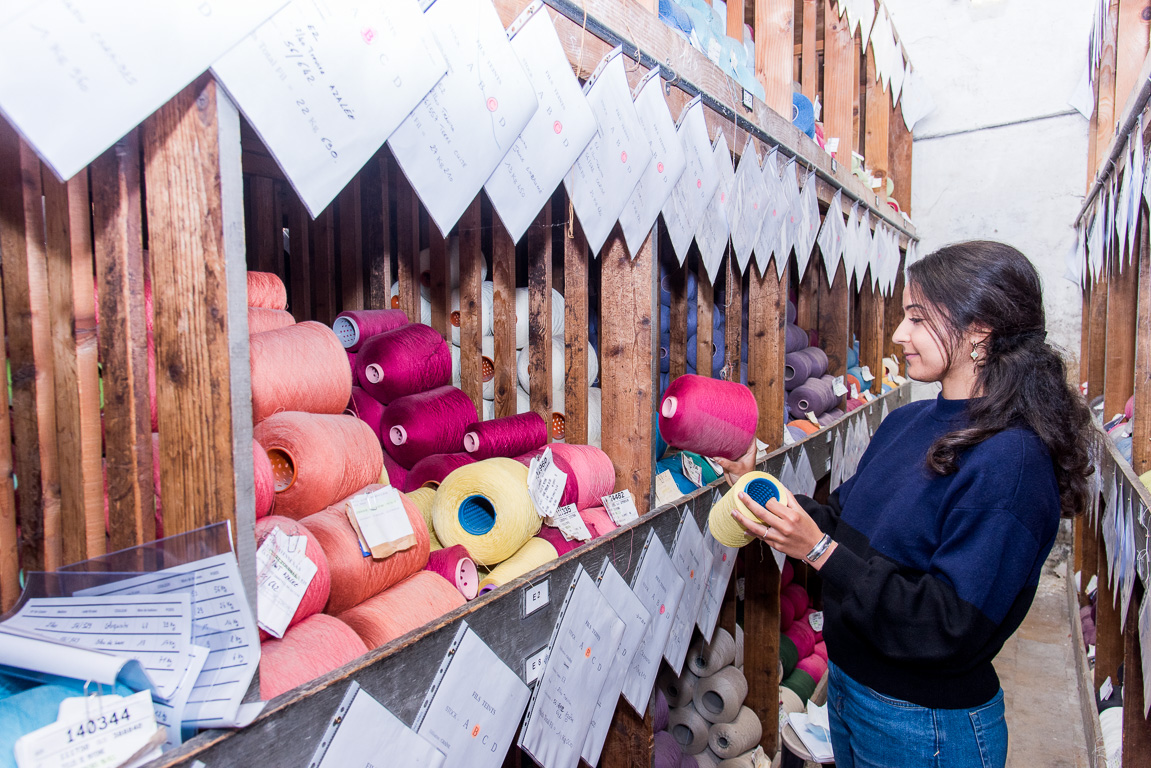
(870,730)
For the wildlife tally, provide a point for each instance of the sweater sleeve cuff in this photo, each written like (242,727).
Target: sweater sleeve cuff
(842,568)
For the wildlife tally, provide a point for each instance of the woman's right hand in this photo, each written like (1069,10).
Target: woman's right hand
(733,470)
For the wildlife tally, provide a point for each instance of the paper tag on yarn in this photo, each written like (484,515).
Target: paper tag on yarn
(854,392)
(866,395)
(283,573)
(812,418)
(571,525)
(899,380)
(816,621)
(714,465)
(691,470)
(1106,690)
(546,483)
(115,731)
(383,521)
(788,438)
(867,375)
(621,507)
(666,491)
(837,387)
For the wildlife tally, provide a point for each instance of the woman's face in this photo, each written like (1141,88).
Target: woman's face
(923,350)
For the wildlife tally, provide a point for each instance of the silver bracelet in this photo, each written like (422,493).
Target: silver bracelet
(819,549)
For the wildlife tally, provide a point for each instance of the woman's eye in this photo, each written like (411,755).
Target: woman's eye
(916,320)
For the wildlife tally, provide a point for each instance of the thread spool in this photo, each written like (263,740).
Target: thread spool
(820,650)
(711,417)
(659,711)
(523,315)
(797,597)
(791,311)
(794,338)
(426,423)
(679,689)
(315,597)
(314,647)
(555,537)
(422,499)
(366,408)
(804,426)
(266,290)
(415,601)
(534,553)
(355,327)
(786,615)
(460,571)
(706,659)
(300,367)
(352,366)
(425,304)
(814,666)
(318,459)
(593,470)
(393,474)
(485,506)
(665,288)
(598,521)
(804,639)
(666,751)
(453,266)
(853,356)
(739,646)
(790,703)
(1129,408)
(403,361)
(264,482)
(706,759)
(801,683)
(817,360)
(718,698)
(487,295)
(689,728)
(812,396)
(508,437)
(796,369)
(430,471)
(761,487)
(851,380)
(260,319)
(788,654)
(559,370)
(731,739)
(356,578)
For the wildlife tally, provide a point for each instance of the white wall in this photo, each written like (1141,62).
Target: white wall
(1001,158)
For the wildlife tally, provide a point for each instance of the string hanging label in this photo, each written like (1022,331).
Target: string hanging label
(113,731)
(381,522)
(666,491)
(546,483)
(621,507)
(812,418)
(867,375)
(571,525)
(838,388)
(854,392)
(816,621)
(283,573)
(691,470)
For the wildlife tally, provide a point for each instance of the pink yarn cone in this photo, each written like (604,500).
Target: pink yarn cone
(354,328)
(797,596)
(397,475)
(314,647)
(593,469)
(598,521)
(432,470)
(367,408)
(266,289)
(509,436)
(814,666)
(401,362)
(455,565)
(420,425)
(820,650)
(804,639)
(708,416)
(265,481)
(787,575)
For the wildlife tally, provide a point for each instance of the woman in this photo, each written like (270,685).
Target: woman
(930,554)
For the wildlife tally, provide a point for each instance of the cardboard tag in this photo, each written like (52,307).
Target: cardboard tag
(867,395)
(109,733)
(813,418)
(546,483)
(666,491)
(1106,690)
(283,573)
(838,388)
(816,621)
(382,522)
(621,507)
(691,470)
(571,525)
(854,392)
(867,376)
(899,380)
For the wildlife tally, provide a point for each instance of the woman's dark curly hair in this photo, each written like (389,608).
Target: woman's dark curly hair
(1021,380)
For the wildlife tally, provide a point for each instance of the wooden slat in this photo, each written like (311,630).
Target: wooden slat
(761,645)
(1105,82)
(732,318)
(377,220)
(471,330)
(540,372)
(77,386)
(1122,296)
(322,240)
(630,738)
(677,330)
(807,298)
(1097,362)
(9,535)
(576,339)
(407,243)
(892,317)
(858,70)
(1108,638)
(704,313)
(735,19)
(1136,727)
(838,86)
(626,364)
(299,259)
(349,209)
(774,44)
(1141,432)
(899,151)
(120,273)
(872,333)
(504,318)
(767,322)
(876,142)
(1131,46)
(809,59)
(438,279)
(265,238)
(190,211)
(834,304)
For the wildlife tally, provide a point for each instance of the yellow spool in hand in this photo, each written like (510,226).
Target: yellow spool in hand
(758,485)
(530,556)
(485,506)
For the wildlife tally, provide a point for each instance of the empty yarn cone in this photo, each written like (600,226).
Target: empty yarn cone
(403,361)
(314,647)
(705,659)
(415,601)
(711,417)
(761,487)
(318,459)
(260,319)
(426,423)
(718,698)
(534,553)
(729,740)
(266,290)
(689,729)
(315,597)
(356,578)
(299,367)
(485,506)
(355,327)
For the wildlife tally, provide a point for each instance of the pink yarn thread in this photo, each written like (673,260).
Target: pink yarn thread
(316,595)
(820,650)
(401,362)
(431,470)
(509,436)
(592,468)
(354,328)
(260,319)
(556,538)
(266,289)
(300,367)
(415,601)
(787,575)
(804,639)
(797,596)
(598,521)
(352,365)
(367,408)
(711,417)
(814,666)
(425,423)
(314,647)
(455,565)
(264,481)
(397,475)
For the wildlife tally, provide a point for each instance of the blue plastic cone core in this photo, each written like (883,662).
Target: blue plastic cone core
(477,515)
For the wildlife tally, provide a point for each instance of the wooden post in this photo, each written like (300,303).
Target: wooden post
(630,738)
(540,316)
(834,309)
(1097,362)
(809,57)
(377,218)
(407,245)
(761,651)
(807,298)
(767,321)
(203,387)
(859,72)
(732,318)
(1131,41)
(626,346)
(676,281)
(1105,82)
(735,19)
(1141,432)
(876,142)
(872,333)
(575,333)
(892,317)
(1122,288)
(471,325)
(437,279)
(322,238)
(704,315)
(264,228)
(899,151)
(349,208)
(300,260)
(77,387)
(774,52)
(1108,638)
(504,318)
(9,535)
(838,85)
(1136,727)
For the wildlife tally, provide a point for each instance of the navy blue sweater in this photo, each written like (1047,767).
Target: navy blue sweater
(933,573)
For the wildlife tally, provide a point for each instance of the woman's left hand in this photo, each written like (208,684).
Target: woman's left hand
(786,527)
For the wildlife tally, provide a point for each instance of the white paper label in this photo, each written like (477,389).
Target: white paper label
(693,561)
(747,205)
(722,564)
(659,588)
(689,197)
(712,234)
(546,483)
(621,507)
(1106,690)
(368,730)
(899,380)
(867,376)
(691,470)
(812,418)
(838,388)
(571,525)
(283,573)
(381,516)
(816,621)
(854,392)
(111,732)
(666,491)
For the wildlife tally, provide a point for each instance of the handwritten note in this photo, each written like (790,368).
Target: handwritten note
(722,564)
(746,205)
(156,631)
(221,621)
(713,231)
(324,84)
(602,179)
(620,507)
(367,734)
(659,588)
(556,134)
(473,708)
(170,712)
(453,140)
(283,573)
(546,483)
(662,173)
(693,562)
(77,75)
(684,209)
(583,648)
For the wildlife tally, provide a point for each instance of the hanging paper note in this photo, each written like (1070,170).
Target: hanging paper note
(862,247)
(713,231)
(556,134)
(474,705)
(808,226)
(662,173)
(363,731)
(659,588)
(620,507)
(453,140)
(693,563)
(75,77)
(775,212)
(571,525)
(122,732)
(546,483)
(283,573)
(831,237)
(788,231)
(747,204)
(684,209)
(636,619)
(602,179)
(722,564)
(666,491)
(583,648)
(381,521)
(849,231)
(324,85)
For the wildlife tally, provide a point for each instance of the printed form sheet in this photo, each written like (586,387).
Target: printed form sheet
(713,231)
(689,197)
(693,562)
(746,205)
(659,588)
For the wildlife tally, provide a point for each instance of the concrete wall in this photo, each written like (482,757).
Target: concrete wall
(1003,157)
